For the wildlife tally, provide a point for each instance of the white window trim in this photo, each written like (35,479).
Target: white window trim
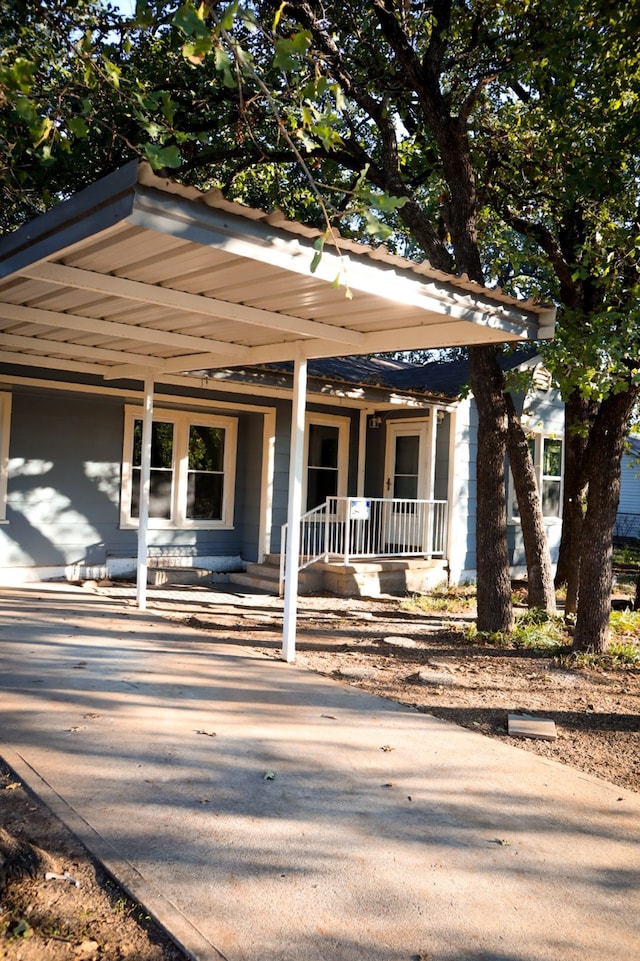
(5,428)
(343,424)
(539,438)
(181,419)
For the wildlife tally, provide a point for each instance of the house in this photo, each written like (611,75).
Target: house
(142,422)
(628,518)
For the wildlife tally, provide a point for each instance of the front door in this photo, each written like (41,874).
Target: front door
(407,473)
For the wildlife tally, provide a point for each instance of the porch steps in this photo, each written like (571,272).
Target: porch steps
(370,578)
(265,577)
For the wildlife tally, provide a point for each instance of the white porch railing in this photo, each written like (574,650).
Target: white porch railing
(355,528)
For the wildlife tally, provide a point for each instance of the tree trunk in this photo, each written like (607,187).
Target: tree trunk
(495,609)
(577,412)
(604,459)
(574,520)
(539,572)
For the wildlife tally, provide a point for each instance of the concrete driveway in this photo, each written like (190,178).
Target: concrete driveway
(263,813)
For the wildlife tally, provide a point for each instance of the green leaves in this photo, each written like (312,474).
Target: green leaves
(290,52)
(78,127)
(18,76)
(190,20)
(318,246)
(160,157)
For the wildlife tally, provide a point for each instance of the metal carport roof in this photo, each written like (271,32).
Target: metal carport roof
(137,276)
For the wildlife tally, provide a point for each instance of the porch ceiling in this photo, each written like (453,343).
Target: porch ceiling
(137,275)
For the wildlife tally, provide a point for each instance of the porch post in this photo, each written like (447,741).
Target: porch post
(362,451)
(298,406)
(145,486)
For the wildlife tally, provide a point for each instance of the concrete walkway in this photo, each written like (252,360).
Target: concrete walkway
(263,813)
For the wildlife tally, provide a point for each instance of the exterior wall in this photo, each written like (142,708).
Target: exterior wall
(543,411)
(462,494)
(64,482)
(65,472)
(628,522)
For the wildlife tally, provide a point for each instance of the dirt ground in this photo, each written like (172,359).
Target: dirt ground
(416,658)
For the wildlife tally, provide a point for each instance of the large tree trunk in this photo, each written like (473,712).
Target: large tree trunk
(575,520)
(604,459)
(539,571)
(495,609)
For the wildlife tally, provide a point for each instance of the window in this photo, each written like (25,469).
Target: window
(192,470)
(547,454)
(5,425)
(326,445)
(551,477)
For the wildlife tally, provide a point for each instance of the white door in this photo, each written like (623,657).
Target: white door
(407,479)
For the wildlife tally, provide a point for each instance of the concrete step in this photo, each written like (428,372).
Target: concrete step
(254,583)
(265,578)
(267,572)
(168,576)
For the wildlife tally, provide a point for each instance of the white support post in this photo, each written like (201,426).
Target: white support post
(145,487)
(295,509)
(362,451)
(266,486)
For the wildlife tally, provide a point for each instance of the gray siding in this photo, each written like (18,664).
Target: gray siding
(630,486)
(63,497)
(64,481)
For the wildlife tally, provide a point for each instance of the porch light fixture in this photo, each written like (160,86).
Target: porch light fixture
(374,422)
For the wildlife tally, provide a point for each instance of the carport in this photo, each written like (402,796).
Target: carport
(137,277)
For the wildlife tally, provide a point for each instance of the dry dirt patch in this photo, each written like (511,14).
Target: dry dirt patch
(81,914)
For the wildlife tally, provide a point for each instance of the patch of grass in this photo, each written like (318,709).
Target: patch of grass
(534,630)
(451,600)
(627,554)
(625,624)
(618,655)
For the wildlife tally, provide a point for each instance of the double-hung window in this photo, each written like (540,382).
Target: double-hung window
(547,456)
(551,476)
(192,476)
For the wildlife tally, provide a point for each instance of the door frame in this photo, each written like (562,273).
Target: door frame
(399,529)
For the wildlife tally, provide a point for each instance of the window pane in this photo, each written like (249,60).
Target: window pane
(405,487)
(551,498)
(205,479)
(161,478)
(407,453)
(161,444)
(552,458)
(160,484)
(320,485)
(322,464)
(323,446)
(204,496)
(206,448)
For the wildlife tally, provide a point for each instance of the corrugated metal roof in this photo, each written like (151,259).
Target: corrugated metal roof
(138,275)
